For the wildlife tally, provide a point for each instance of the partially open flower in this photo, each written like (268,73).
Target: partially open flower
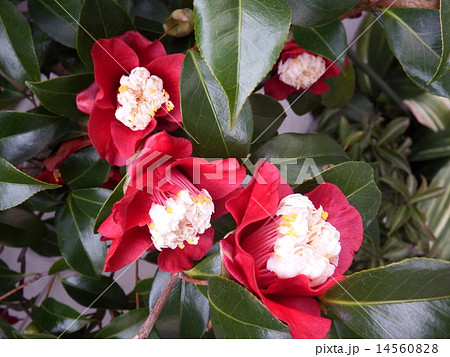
(288,247)
(298,70)
(135,91)
(168,205)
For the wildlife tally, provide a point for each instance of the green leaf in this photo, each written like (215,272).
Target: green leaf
(150,15)
(56,317)
(355,179)
(7,331)
(17,57)
(24,135)
(438,213)
(106,209)
(430,110)
(208,267)
(206,116)
(397,185)
(431,145)
(329,41)
(43,202)
(186,312)
(91,200)
(16,187)
(299,154)
(236,313)
(414,36)
(393,130)
(58,19)
(231,47)
(304,102)
(20,227)
(409,299)
(102,293)
(268,115)
(58,266)
(124,326)
(100,19)
(58,94)
(82,249)
(444,17)
(84,169)
(394,157)
(342,88)
(318,12)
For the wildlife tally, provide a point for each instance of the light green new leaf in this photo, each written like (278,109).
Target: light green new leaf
(409,299)
(240,41)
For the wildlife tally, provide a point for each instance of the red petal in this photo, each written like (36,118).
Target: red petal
(65,150)
(86,98)
(146,50)
(176,260)
(278,89)
(112,59)
(170,145)
(344,217)
(127,248)
(319,87)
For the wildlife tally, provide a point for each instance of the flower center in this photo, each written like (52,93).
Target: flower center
(301,71)
(181,217)
(139,97)
(307,244)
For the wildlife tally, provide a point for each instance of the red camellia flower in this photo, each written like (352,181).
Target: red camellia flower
(135,90)
(298,70)
(288,247)
(168,205)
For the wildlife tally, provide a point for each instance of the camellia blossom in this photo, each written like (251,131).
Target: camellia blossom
(288,247)
(298,70)
(168,205)
(135,91)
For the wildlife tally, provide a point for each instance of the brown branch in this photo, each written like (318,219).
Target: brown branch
(21,286)
(49,287)
(192,280)
(147,327)
(419,4)
(136,276)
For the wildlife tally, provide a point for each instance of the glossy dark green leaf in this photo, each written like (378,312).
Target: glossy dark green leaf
(56,317)
(186,312)
(342,88)
(414,36)
(17,57)
(410,299)
(318,12)
(43,202)
(16,187)
(100,19)
(20,227)
(339,329)
(9,94)
(329,41)
(106,209)
(91,200)
(230,44)
(124,326)
(304,102)
(206,116)
(7,331)
(58,19)
(208,267)
(84,169)
(82,249)
(299,155)
(236,313)
(268,115)
(58,94)
(101,293)
(150,15)
(444,63)
(24,135)
(58,266)
(355,179)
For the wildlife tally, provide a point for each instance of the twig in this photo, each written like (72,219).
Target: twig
(147,327)
(359,10)
(49,287)
(136,281)
(192,280)
(21,286)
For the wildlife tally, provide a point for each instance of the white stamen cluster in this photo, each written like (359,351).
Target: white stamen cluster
(181,218)
(307,244)
(301,71)
(139,96)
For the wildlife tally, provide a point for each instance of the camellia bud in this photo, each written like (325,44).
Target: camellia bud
(180,23)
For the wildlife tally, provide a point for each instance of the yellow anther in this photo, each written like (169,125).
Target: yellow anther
(123,88)
(152,91)
(285,224)
(286,218)
(296,59)
(200,198)
(277,255)
(57,175)
(169,210)
(181,246)
(207,200)
(324,215)
(151,225)
(193,199)
(291,232)
(179,194)
(294,215)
